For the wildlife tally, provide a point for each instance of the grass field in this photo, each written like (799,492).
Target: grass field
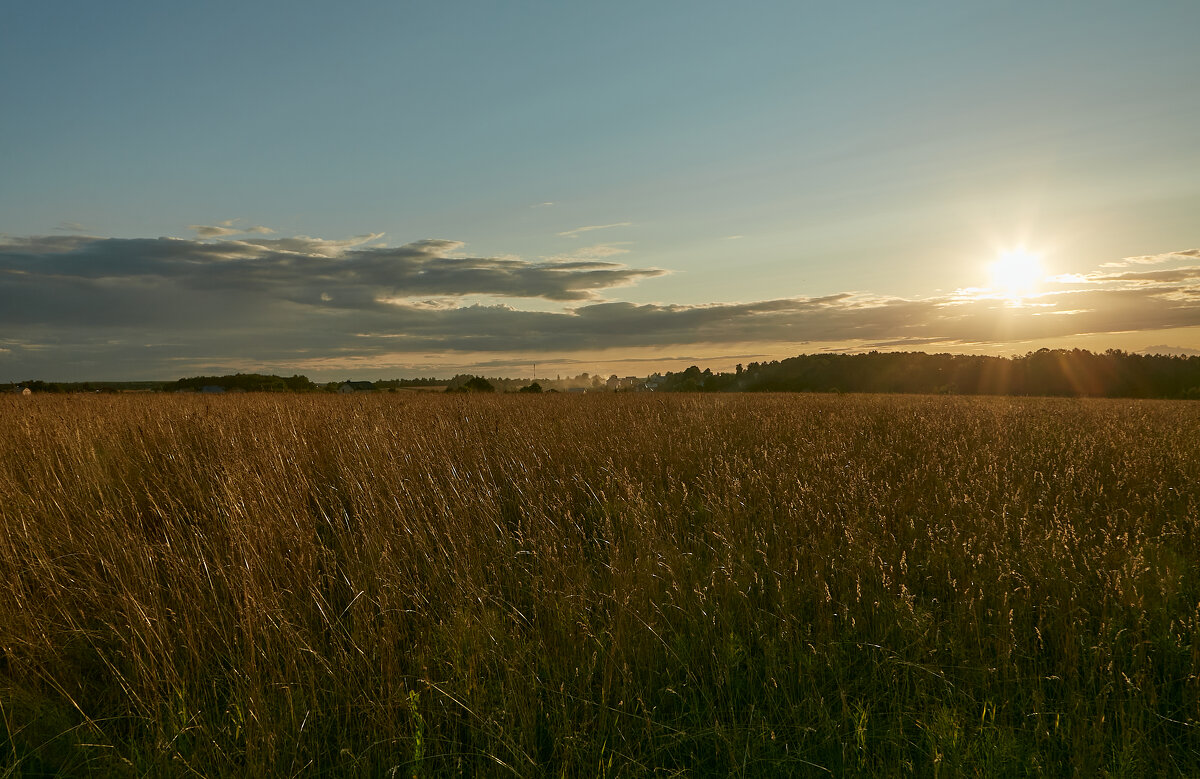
(612,585)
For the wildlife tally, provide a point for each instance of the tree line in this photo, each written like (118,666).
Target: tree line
(1056,372)
(246,382)
(1060,372)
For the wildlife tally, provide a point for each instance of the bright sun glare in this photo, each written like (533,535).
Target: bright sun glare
(1016,273)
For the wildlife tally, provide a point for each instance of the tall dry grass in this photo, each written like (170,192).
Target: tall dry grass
(609,586)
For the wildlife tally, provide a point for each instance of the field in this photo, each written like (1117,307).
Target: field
(611,585)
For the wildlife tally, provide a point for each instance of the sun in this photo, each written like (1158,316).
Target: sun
(1016,273)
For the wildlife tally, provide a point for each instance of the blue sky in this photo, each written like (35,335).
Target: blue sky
(734,159)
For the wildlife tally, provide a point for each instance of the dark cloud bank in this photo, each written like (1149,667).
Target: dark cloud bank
(80,307)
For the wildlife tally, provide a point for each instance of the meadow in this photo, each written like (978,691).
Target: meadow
(601,585)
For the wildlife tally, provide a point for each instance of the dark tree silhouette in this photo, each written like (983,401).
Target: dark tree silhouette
(1061,372)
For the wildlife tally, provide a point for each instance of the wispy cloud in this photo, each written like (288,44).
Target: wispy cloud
(212,231)
(589,228)
(1154,277)
(1153,259)
(227,228)
(1166,275)
(322,247)
(1179,351)
(597,252)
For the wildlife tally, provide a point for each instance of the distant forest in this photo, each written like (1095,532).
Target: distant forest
(1061,372)
(247,382)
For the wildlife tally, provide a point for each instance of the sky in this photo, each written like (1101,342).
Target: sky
(397,189)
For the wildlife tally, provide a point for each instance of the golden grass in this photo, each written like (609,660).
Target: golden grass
(598,585)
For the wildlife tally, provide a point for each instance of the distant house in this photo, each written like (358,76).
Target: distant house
(356,386)
(630,383)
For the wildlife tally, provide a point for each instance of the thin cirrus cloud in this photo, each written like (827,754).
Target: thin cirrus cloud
(589,228)
(90,303)
(227,228)
(1153,259)
(597,252)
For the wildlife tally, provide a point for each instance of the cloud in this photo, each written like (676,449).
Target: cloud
(70,227)
(1179,351)
(578,230)
(1153,259)
(88,303)
(81,280)
(303,244)
(599,251)
(1159,276)
(212,231)
(1166,276)
(228,228)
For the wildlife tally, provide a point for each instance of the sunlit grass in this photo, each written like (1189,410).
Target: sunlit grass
(599,585)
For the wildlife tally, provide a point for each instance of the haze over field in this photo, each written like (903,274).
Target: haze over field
(385,189)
